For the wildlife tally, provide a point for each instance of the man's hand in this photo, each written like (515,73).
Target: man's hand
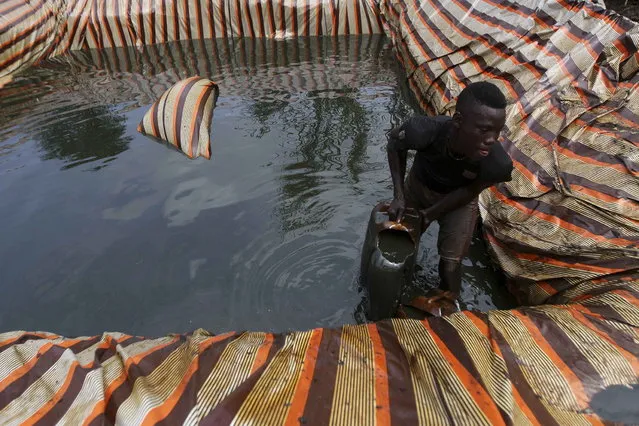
(396,209)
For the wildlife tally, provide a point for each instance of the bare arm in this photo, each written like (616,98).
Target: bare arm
(415,134)
(397,153)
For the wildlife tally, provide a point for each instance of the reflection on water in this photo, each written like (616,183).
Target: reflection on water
(73,135)
(65,125)
(332,135)
(104,229)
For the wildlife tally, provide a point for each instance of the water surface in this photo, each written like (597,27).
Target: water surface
(106,229)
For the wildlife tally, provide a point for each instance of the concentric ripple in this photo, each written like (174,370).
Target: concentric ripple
(104,228)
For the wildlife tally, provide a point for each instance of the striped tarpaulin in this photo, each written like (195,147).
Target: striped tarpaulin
(569,69)
(39,29)
(139,22)
(564,230)
(249,68)
(540,365)
(182,116)
(27,33)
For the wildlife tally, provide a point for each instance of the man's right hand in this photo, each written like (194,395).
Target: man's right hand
(396,209)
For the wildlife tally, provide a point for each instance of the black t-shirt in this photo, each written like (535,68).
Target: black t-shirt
(437,169)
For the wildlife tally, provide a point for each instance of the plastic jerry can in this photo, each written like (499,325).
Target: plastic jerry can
(388,260)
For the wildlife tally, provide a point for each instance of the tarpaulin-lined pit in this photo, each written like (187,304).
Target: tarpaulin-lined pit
(564,231)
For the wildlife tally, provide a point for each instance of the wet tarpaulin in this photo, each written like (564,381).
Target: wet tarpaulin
(569,69)
(564,230)
(539,365)
(251,68)
(248,68)
(34,30)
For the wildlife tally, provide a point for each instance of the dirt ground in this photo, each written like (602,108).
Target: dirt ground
(629,8)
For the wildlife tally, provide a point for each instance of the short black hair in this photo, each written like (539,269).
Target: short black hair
(482,92)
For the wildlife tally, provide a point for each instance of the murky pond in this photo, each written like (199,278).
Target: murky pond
(105,229)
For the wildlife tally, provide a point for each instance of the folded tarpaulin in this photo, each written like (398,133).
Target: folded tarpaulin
(538,365)
(570,214)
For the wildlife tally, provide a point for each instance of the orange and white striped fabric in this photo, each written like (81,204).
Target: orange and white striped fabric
(570,215)
(27,33)
(250,68)
(545,365)
(182,116)
(565,231)
(39,29)
(139,22)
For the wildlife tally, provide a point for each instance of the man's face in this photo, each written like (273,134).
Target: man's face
(478,127)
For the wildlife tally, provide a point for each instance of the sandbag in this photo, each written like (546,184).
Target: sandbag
(182,116)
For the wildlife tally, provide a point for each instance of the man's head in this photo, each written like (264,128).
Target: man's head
(479,118)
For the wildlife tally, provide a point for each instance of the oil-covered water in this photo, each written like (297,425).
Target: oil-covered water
(395,246)
(105,229)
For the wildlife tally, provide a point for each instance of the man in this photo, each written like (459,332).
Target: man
(457,158)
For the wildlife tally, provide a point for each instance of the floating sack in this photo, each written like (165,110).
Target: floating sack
(182,116)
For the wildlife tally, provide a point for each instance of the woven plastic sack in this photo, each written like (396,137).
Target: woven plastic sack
(182,116)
